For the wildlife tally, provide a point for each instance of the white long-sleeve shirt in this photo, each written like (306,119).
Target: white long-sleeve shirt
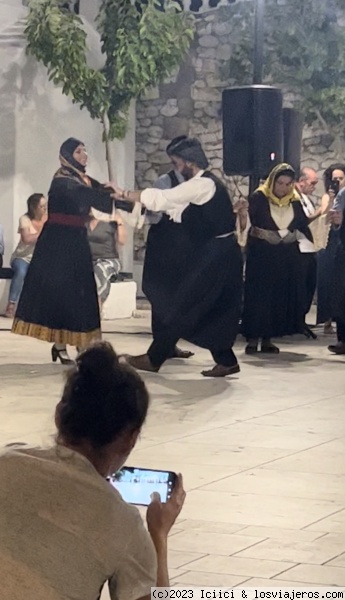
(174,201)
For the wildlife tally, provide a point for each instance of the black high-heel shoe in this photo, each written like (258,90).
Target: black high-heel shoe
(62,356)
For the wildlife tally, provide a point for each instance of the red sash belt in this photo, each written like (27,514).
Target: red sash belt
(70,220)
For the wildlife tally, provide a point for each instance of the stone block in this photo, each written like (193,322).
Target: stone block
(143,165)
(222,28)
(209,65)
(312,141)
(186,107)
(148,148)
(205,29)
(150,175)
(198,64)
(213,109)
(152,140)
(206,138)
(213,81)
(145,122)
(197,129)
(326,139)
(207,52)
(152,111)
(170,108)
(212,125)
(206,95)
(174,127)
(216,163)
(319,150)
(208,41)
(156,131)
(310,162)
(224,52)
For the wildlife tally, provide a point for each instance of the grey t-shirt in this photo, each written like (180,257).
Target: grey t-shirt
(65,531)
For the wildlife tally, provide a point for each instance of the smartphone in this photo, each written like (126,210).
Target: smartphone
(136,485)
(334,186)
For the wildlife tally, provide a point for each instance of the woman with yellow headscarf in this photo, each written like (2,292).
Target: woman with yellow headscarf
(274,300)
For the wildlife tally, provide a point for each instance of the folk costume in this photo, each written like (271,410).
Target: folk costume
(202,304)
(275,292)
(59,301)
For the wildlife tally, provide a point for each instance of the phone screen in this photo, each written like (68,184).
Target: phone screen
(335,186)
(136,485)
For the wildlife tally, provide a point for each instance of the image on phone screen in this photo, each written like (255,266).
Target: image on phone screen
(136,485)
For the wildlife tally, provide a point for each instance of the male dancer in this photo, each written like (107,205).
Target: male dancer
(206,304)
(166,244)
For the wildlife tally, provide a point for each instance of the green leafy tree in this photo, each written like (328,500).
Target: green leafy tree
(304,52)
(141,42)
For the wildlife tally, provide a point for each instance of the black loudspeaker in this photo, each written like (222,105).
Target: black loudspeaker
(293,133)
(252,130)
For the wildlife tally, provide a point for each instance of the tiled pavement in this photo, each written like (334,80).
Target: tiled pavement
(262,454)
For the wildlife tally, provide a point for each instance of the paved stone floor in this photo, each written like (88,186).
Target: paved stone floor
(262,453)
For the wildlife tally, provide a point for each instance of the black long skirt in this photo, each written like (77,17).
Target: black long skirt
(275,291)
(59,300)
(167,252)
(205,307)
(326,259)
(337,302)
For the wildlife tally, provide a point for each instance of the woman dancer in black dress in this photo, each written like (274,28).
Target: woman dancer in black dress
(59,301)
(274,297)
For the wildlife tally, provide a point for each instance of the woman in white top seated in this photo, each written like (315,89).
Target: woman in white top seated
(65,531)
(30,227)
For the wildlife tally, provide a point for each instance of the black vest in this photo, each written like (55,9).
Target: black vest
(213,219)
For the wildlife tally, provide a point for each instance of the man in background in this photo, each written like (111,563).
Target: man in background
(337,217)
(306,186)
(165,238)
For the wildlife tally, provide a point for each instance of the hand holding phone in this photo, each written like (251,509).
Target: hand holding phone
(136,485)
(161,516)
(336,217)
(334,186)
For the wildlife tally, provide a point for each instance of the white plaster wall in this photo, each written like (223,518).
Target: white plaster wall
(35,118)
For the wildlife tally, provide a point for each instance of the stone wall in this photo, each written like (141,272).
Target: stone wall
(190,103)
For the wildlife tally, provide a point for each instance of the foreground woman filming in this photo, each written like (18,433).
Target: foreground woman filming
(65,531)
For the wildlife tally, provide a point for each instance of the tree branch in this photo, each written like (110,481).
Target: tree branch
(321,120)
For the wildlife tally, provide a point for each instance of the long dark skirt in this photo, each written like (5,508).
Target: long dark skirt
(59,300)
(167,252)
(325,277)
(275,291)
(309,265)
(206,306)
(337,301)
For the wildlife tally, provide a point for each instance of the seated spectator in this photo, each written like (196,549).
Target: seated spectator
(65,531)
(2,245)
(104,236)
(30,227)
